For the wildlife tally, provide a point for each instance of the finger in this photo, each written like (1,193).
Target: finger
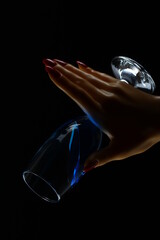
(78,77)
(96,82)
(81,82)
(108,154)
(102,76)
(49,62)
(78,94)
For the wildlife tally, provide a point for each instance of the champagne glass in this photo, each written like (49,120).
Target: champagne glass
(58,164)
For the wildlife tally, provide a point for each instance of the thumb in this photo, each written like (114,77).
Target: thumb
(110,153)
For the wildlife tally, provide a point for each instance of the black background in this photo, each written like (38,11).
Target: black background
(120,195)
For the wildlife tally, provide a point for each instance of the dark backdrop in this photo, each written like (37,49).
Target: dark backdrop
(116,193)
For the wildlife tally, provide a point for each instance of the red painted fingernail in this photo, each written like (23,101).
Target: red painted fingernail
(82,64)
(90,166)
(60,62)
(49,62)
(53,72)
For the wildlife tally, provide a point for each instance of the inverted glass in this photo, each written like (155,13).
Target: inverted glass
(58,164)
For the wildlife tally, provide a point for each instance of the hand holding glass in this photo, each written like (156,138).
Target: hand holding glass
(59,163)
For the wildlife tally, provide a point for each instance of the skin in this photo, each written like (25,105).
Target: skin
(129,116)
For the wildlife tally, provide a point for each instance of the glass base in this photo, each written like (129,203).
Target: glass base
(129,70)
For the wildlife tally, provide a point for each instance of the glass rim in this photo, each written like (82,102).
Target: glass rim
(47,184)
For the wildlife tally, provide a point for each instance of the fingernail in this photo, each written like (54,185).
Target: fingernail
(60,62)
(53,72)
(82,64)
(49,62)
(90,165)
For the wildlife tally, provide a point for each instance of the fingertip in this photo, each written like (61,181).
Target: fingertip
(60,62)
(90,164)
(52,72)
(48,62)
(81,64)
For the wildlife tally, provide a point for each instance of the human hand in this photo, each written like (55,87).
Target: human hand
(122,112)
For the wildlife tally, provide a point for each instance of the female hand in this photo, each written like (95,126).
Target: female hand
(129,116)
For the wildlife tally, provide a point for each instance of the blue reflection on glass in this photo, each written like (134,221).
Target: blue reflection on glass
(74,139)
(93,121)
